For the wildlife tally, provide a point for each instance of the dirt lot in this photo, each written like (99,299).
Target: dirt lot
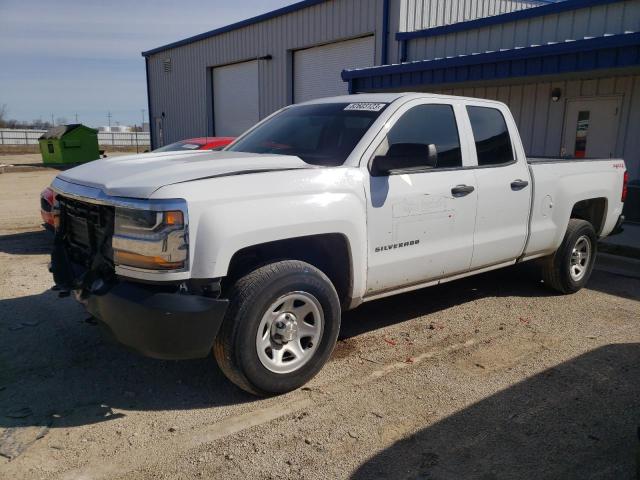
(492,377)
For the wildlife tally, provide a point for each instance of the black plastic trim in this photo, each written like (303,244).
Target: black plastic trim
(157,323)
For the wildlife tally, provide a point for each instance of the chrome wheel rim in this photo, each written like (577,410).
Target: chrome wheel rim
(290,332)
(580,258)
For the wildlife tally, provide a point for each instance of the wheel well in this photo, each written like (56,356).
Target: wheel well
(593,211)
(328,252)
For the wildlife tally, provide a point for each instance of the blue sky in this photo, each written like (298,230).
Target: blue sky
(66,57)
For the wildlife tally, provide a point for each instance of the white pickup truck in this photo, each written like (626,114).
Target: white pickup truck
(253,252)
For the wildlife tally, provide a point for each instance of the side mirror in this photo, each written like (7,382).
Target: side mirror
(405,156)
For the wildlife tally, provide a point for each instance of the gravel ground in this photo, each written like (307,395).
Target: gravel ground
(492,377)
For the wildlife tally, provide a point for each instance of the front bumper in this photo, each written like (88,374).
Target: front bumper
(169,326)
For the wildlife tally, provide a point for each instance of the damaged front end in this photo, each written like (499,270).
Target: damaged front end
(102,243)
(82,256)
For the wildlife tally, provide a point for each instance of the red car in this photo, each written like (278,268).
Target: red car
(200,143)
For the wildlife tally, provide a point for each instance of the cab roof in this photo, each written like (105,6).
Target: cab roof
(384,98)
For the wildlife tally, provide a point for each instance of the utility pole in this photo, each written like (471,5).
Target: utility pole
(76,118)
(53,124)
(109,118)
(142,124)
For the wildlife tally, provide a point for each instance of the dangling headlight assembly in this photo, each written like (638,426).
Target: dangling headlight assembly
(151,240)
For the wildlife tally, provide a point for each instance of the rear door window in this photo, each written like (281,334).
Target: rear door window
(491,135)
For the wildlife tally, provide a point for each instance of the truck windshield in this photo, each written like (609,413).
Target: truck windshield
(321,134)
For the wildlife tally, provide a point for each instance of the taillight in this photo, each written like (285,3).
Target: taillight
(625,186)
(49,209)
(47,194)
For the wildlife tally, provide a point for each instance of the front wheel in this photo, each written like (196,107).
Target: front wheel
(280,329)
(569,268)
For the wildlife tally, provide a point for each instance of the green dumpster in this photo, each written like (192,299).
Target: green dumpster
(73,143)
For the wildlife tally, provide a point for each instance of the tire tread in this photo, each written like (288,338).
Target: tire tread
(240,293)
(552,269)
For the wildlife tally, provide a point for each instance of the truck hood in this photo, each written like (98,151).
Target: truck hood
(138,176)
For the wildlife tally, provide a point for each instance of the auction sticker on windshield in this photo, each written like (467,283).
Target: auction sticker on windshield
(365,107)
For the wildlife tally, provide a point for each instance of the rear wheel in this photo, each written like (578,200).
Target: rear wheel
(280,329)
(569,268)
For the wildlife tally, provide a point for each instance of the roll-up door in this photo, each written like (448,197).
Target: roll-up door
(316,70)
(235,98)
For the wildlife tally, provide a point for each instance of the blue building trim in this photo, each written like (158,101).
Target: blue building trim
(235,26)
(548,9)
(146,66)
(384,55)
(404,51)
(613,51)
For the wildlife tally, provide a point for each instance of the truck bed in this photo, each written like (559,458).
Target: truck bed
(560,184)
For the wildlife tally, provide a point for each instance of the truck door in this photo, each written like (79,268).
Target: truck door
(504,188)
(420,219)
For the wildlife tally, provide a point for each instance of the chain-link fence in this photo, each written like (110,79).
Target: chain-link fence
(10,136)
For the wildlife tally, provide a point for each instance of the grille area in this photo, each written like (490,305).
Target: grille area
(87,230)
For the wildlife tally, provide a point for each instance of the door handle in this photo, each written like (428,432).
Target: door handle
(519,185)
(462,190)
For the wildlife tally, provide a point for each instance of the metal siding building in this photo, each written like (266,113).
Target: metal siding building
(180,76)
(595,20)
(587,50)
(520,52)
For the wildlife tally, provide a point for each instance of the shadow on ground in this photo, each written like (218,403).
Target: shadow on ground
(59,370)
(56,369)
(517,281)
(625,285)
(574,421)
(522,281)
(37,242)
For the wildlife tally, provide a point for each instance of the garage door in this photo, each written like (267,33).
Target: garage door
(316,71)
(235,98)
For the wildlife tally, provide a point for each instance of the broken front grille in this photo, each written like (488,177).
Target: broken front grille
(87,230)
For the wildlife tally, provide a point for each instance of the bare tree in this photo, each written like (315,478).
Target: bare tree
(40,124)
(3,114)
(6,122)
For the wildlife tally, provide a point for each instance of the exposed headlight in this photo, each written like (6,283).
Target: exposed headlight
(151,240)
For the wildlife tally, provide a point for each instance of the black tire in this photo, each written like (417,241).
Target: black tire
(235,347)
(556,269)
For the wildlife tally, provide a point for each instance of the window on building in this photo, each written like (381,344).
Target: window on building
(491,135)
(426,125)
